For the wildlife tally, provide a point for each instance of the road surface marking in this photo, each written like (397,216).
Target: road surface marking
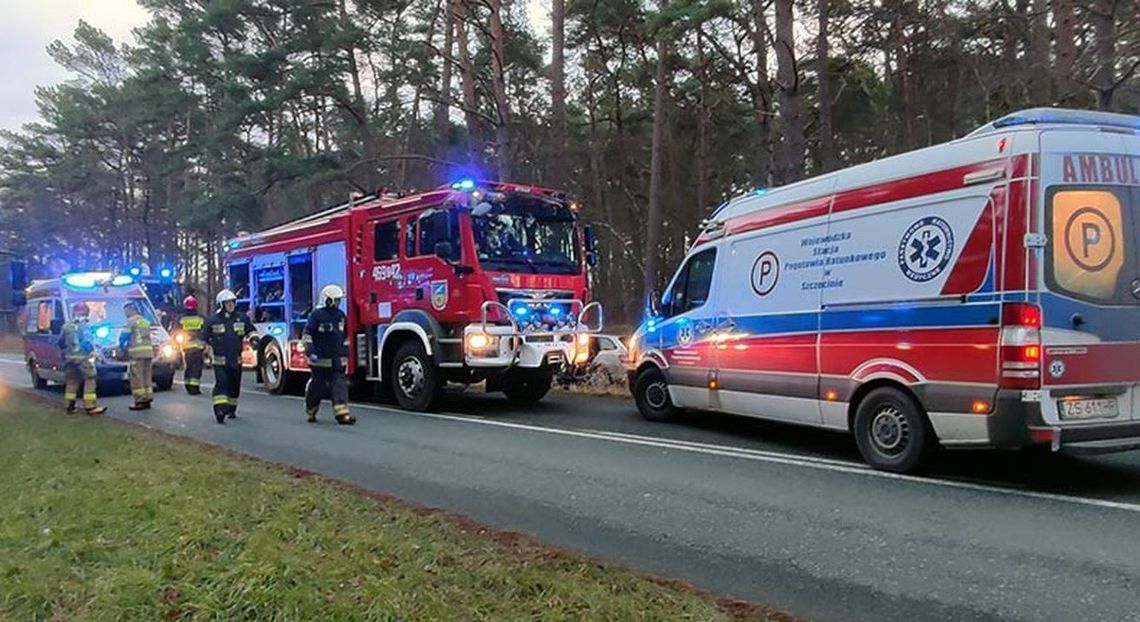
(823,464)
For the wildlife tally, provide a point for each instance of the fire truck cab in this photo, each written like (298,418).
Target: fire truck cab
(466,283)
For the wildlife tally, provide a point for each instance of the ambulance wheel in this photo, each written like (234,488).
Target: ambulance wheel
(164,383)
(651,394)
(892,432)
(414,378)
(528,389)
(33,371)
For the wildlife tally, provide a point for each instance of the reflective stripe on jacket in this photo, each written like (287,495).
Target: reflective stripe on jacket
(139,345)
(192,325)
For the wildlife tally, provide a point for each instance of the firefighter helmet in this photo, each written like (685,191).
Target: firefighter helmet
(224,296)
(190,303)
(331,295)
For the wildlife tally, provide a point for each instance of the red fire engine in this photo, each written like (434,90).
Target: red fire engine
(469,282)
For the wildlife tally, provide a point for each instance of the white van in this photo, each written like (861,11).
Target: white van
(980,293)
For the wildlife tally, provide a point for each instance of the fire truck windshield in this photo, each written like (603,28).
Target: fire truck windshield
(534,236)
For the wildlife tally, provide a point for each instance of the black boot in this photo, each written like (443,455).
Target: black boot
(220,415)
(140,406)
(345,419)
(311,415)
(70,408)
(96,410)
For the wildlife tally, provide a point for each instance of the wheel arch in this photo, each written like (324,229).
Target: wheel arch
(880,382)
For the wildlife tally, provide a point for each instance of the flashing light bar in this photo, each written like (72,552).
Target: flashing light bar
(91,280)
(465,185)
(165,273)
(1036,116)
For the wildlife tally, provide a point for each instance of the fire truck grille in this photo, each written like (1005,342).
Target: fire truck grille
(506,295)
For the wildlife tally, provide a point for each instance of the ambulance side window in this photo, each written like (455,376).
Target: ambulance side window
(691,289)
(39,317)
(387,241)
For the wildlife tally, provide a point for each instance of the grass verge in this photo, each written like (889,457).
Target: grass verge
(107,521)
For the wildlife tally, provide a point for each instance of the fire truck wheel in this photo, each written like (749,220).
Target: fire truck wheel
(651,394)
(274,376)
(414,378)
(529,389)
(892,432)
(33,372)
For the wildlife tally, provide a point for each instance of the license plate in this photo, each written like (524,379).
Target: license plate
(554,358)
(1088,409)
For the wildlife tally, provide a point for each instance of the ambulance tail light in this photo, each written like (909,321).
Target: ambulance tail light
(1020,346)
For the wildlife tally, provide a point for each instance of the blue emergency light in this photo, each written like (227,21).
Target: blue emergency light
(165,273)
(134,271)
(465,185)
(121,280)
(102,332)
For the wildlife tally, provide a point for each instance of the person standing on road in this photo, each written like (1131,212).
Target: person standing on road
(327,345)
(140,351)
(226,332)
(193,347)
(78,361)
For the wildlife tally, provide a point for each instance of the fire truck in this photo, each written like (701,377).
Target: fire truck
(473,281)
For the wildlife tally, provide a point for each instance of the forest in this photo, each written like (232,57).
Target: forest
(223,116)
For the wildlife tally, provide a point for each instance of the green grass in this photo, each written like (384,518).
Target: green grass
(104,521)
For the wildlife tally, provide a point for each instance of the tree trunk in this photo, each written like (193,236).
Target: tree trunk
(443,101)
(761,96)
(1041,91)
(558,93)
(787,78)
(1104,32)
(360,110)
(499,90)
(470,104)
(823,74)
(702,128)
(656,165)
(1064,36)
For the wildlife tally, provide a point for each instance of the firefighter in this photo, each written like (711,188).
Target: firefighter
(226,332)
(78,361)
(327,345)
(140,351)
(193,347)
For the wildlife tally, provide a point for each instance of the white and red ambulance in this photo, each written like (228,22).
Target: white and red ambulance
(979,293)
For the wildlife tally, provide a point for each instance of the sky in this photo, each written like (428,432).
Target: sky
(27,29)
(29,26)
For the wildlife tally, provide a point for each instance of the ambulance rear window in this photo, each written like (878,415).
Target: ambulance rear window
(1091,254)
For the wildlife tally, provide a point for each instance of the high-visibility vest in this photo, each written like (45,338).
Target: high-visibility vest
(139,345)
(73,344)
(192,326)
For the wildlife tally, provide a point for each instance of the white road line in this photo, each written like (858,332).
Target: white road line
(823,464)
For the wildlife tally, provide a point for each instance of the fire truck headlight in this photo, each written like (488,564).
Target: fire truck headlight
(478,341)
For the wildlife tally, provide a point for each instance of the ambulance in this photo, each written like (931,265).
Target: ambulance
(983,293)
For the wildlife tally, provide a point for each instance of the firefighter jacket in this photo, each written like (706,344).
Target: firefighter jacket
(136,338)
(225,334)
(75,342)
(325,338)
(192,327)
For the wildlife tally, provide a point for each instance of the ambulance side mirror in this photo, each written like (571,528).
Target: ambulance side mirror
(654,303)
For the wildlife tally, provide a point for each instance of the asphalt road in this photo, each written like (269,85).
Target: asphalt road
(771,513)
